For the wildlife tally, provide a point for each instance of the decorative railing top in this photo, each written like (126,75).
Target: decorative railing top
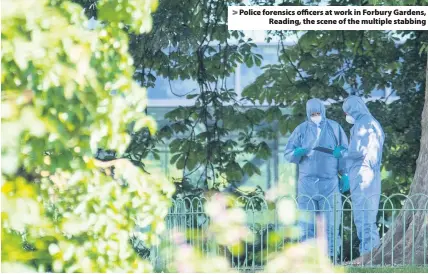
(258,203)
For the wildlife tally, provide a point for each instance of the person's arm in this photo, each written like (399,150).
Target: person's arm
(363,142)
(343,142)
(292,144)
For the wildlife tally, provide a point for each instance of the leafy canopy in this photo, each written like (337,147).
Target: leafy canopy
(190,41)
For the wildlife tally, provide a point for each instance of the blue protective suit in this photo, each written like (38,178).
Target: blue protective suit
(363,159)
(318,185)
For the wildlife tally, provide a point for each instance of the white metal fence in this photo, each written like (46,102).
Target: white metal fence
(188,216)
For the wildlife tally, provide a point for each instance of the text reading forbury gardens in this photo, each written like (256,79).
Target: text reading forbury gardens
(349,12)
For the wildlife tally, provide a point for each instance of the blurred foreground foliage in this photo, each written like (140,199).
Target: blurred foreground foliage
(228,240)
(66,91)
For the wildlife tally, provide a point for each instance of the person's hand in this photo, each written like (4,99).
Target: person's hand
(337,153)
(344,183)
(298,152)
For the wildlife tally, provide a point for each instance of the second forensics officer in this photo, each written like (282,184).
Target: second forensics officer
(364,158)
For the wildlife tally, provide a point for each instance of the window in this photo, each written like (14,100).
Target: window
(173,93)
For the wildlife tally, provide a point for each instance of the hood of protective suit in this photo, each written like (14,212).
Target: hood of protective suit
(315,105)
(355,107)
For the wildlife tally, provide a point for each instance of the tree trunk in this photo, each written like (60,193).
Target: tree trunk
(407,241)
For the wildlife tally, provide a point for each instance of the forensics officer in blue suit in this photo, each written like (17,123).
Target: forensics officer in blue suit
(363,158)
(318,184)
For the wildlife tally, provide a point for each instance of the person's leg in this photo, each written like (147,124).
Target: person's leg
(334,222)
(371,237)
(365,197)
(307,207)
(331,205)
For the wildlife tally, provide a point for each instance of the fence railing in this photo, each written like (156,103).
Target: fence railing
(406,245)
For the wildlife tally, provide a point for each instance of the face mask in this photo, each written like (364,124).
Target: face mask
(350,119)
(316,119)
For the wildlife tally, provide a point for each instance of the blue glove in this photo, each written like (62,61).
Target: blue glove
(337,153)
(298,152)
(344,183)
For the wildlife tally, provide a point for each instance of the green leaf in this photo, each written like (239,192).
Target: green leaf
(263,151)
(234,172)
(175,145)
(273,113)
(192,161)
(165,132)
(181,161)
(174,158)
(249,61)
(258,61)
(250,169)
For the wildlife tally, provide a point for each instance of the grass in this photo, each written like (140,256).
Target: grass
(389,269)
